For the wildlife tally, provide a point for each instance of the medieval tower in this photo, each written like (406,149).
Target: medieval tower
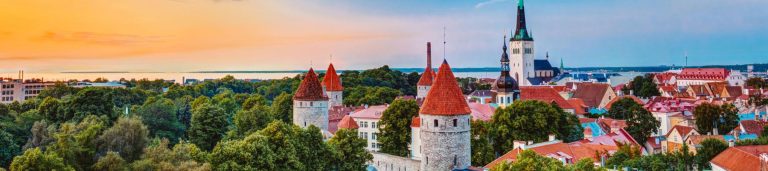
(445,125)
(425,82)
(310,105)
(521,46)
(332,87)
(507,90)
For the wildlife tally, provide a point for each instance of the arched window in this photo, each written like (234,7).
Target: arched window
(435,122)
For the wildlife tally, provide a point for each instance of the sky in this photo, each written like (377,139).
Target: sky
(223,35)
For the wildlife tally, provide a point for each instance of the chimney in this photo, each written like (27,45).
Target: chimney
(731,143)
(429,55)
(631,92)
(518,144)
(552,137)
(714,131)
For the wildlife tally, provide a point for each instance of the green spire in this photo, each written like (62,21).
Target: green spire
(520,4)
(561,64)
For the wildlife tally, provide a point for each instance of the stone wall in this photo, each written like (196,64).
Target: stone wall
(421,91)
(445,146)
(386,162)
(307,113)
(335,98)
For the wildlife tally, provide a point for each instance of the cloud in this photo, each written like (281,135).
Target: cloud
(110,39)
(489,2)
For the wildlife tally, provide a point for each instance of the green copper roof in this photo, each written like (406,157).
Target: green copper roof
(520,4)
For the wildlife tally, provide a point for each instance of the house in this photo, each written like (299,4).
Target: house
(481,96)
(368,119)
(694,141)
(700,76)
(668,91)
(753,157)
(665,79)
(698,91)
(546,94)
(670,112)
(594,95)
(337,113)
(568,153)
(676,137)
(654,144)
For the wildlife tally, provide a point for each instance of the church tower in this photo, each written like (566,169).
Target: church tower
(333,88)
(310,105)
(425,82)
(507,90)
(445,125)
(521,46)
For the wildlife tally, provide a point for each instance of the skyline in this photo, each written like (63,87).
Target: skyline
(200,35)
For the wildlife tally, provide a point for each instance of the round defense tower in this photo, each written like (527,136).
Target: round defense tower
(310,105)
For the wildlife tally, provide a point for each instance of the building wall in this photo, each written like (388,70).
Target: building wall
(421,91)
(736,78)
(716,167)
(17,91)
(445,147)
(521,63)
(685,83)
(369,130)
(664,120)
(307,113)
(607,97)
(335,98)
(505,99)
(415,143)
(386,162)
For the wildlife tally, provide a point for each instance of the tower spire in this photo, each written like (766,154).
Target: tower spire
(521,31)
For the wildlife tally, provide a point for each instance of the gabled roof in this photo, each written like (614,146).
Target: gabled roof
(591,93)
(545,94)
(332,82)
(348,123)
(682,130)
(445,97)
(740,157)
(697,139)
(310,88)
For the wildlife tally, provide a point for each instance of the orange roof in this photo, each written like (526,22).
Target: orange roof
(416,122)
(348,123)
(331,80)
(545,94)
(445,97)
(682,130)
(740,157)
(575,151)
(614,100)
(578,105)
(310,88)
(427,77)
(591,93)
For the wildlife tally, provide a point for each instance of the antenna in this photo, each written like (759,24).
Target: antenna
(686,59)
(444,43)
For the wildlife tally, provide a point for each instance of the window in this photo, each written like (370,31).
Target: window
(516,51)
(455,123)
(454,160)
(373,124)
(435,122)
(374,135)
(311,103)
(528,50)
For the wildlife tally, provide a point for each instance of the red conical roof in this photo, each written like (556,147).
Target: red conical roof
(427,77)
(332,82)
(348,123)
(310,89)
(445,97)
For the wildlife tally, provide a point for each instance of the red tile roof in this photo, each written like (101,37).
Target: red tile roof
(427,77)
(348,123)
(578,105)
(682,130)
(591,93)
(482,112)
(740,157)
(416,122)
(574,151)
(445,97)
(703,74)
(545,94)
(310,88)
(331,80)
(753,126)
(664,77)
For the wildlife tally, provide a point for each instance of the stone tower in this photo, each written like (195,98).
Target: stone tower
(333,88)
(507,90)
(521,46)
(445,125)
(310,105)
(425,82)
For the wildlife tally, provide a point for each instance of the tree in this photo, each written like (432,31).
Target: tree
(254,100)
(482,149)
(52,109)
(349,151)
(643,86)
(111,162)
(395,127)
(708,150)
(92,101)
(530,121)
(208,125)
(41,135)
(709,116)
(251,120)
(640,122)
(160,157)
(369,95)
(159,115)
(756,82)
(282,108)
(311,149)
(10,148)
(35,160)
(281,138)
(621,157)
(250,153)
(128,137)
